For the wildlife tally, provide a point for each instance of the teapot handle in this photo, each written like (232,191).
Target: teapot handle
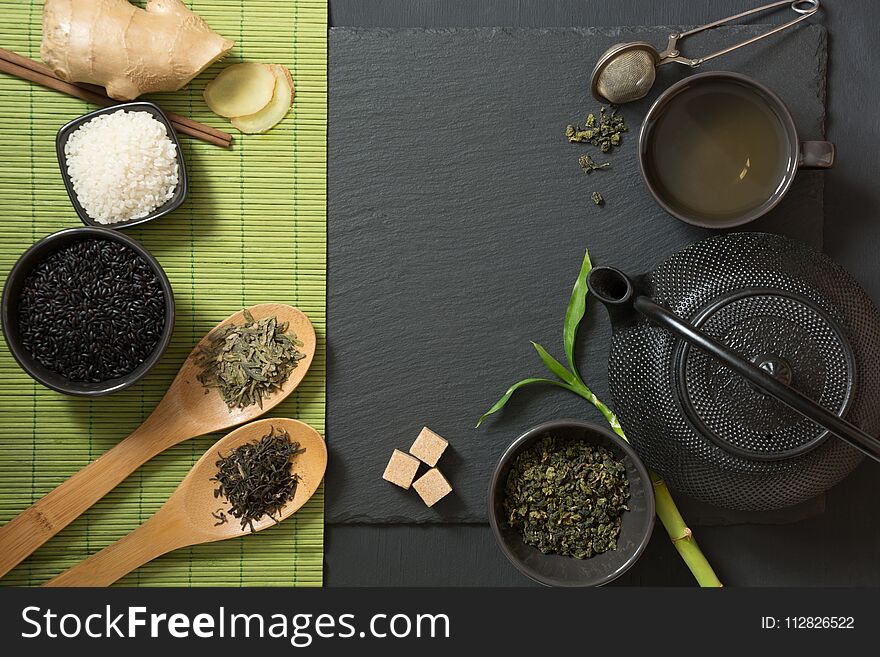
(614,289)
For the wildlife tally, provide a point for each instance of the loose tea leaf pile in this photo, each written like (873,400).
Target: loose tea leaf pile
(248,362)
(589,165)
(567,497)
(256,478)
(604,132)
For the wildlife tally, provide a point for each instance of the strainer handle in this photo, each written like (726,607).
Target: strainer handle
(755,375)
(672,53)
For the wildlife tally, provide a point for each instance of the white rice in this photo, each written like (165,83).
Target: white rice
(122,166)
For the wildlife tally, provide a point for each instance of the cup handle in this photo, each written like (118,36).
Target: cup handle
(816,155)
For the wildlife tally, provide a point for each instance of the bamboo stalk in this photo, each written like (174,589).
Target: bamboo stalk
(14,64)
(679,533)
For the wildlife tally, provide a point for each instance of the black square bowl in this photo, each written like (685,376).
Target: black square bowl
(140,106)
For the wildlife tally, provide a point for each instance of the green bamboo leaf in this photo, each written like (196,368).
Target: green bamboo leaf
(512,389)
(577,306)
(555,366)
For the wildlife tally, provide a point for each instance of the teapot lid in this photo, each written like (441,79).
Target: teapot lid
(779,304)
(792,338)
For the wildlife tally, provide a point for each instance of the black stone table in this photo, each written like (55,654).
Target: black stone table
(846,537)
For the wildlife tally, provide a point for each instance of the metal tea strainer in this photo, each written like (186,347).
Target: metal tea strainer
(626,71)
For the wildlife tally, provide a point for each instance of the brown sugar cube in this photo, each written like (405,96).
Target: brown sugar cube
(432,487)
(428,447)
(401,469)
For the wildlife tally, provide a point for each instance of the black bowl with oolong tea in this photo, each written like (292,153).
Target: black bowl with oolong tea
(87,311)
(547,451)
(112,161)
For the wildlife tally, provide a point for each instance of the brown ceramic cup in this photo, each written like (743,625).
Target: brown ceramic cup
(801,154)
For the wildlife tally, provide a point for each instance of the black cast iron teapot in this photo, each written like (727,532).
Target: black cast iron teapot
(745,369)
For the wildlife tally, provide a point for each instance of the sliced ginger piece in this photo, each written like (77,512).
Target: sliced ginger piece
(277,108)
(240,89)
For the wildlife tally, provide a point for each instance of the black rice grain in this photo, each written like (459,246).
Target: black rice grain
(92,311)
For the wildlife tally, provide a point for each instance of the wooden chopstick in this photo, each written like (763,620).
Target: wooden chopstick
(14,64)
(25,68)
(93,94)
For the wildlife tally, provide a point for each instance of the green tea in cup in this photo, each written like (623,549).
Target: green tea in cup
(719,150)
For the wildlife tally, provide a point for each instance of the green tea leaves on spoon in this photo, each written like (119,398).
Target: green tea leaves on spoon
(256,478)
(248,362)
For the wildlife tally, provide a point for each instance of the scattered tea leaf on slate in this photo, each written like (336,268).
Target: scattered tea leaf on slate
(604,132)
(589,165)
(598,199)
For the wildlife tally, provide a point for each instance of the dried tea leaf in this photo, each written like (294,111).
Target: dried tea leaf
(247,363)
(566,496)
(256,478)
(589,165)
(604,132)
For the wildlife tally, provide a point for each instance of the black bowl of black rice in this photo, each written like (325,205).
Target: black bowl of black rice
(87,311)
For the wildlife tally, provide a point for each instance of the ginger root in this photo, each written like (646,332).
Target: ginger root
(128,50)
(277,109)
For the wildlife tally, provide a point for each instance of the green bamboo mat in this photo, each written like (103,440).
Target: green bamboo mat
(252,230)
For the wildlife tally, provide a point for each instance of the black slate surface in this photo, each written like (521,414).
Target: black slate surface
(457,221)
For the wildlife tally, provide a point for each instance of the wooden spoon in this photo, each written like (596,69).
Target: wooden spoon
(186,518)
(184,412)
